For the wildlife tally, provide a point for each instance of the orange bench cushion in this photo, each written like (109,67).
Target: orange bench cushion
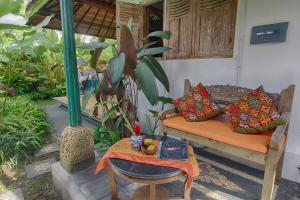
(222,132)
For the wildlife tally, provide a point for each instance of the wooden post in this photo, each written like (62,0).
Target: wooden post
(76,143)
(74,110)
(270,173)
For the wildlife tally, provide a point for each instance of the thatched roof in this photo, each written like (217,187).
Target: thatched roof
(91,17)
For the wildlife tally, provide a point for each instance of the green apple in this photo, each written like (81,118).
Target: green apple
(148,142)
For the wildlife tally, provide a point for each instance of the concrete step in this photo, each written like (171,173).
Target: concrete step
(15,194)
(48,150)
(39,168)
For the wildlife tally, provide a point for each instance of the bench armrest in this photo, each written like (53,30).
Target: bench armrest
(278,136)
(167,113)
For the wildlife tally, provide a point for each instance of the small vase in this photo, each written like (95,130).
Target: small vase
(136,142)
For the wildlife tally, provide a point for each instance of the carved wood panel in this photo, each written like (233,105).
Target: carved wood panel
(179,21)
(214,27)
(200,28)
(125,11)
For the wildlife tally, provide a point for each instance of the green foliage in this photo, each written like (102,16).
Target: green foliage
(10,6)
(112,126)
(23,128)
(35,63)
(147,82)
(116,67)
(153,125)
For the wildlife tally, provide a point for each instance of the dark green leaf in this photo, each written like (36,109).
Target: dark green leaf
(129,24)
(109,114)
(35,6)
(144,47)
(114,50)
(161,34)
(116,68)
(154,112)
(95,45)
(10,6)
(165,100)
(86,98)
(158,71)
(153,51)
(147,82)
(45,22)
(12,26)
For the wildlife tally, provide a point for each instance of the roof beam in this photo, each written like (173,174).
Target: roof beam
(93,20)
(97,4)
(83,16)
(100,27)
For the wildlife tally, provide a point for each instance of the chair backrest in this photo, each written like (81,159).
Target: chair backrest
(225,94)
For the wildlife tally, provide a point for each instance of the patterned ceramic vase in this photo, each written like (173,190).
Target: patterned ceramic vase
(136,142)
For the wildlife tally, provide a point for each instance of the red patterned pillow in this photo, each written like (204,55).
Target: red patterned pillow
(198,106)
(254,112)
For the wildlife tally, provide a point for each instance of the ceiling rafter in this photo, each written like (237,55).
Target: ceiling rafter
(91,17)
(102,22)
(92,22)
(83,16)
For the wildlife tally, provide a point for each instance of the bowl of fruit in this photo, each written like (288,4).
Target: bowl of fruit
(148,147)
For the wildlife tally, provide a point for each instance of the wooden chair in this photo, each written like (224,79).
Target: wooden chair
(272,159)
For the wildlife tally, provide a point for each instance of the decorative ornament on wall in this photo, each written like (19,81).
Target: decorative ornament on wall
(269,33)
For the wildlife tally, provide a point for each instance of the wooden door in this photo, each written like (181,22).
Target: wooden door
(125,11)
(214,28)
(178,19)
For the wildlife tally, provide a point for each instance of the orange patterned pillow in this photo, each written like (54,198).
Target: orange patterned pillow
(198,106)
(254,112)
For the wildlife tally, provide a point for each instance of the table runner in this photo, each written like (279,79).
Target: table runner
(122,150)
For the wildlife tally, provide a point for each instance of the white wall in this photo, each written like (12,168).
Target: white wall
(273,65)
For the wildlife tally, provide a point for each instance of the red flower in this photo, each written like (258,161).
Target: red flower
(204,93)
(137,128)
(176,101)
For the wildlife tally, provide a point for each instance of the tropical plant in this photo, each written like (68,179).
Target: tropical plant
(153,124)
(130,70)
(23,128)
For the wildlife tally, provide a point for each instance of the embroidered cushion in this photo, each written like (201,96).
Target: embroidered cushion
(254,113)
(198,106)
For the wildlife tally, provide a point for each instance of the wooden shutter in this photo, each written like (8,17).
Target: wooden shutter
(214,28)
(178,19)
(125,11)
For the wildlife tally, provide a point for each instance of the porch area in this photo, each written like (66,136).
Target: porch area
(151,99)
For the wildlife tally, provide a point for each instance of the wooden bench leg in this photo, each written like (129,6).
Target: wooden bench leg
(161,129)
(279,167)
(112,184)
(269,177)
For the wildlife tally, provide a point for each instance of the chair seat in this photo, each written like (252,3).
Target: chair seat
(221,132)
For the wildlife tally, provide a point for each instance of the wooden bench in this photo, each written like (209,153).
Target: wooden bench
(271,146)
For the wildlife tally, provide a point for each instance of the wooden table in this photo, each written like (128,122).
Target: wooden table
(152,175)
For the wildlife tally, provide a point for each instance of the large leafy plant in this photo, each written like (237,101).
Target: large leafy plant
(130,70)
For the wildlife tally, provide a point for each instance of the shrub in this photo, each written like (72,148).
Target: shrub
(23,128)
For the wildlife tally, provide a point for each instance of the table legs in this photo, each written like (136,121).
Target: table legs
(152,191)
(187,190)
(113,184)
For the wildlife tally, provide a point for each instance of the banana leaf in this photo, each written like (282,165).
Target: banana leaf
(161,34)
(116,68)
(147,82)
(158,71)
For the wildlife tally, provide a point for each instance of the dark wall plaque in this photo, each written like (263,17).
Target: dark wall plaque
(269,33)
